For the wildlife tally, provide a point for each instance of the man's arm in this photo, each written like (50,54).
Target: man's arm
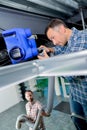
(44,113)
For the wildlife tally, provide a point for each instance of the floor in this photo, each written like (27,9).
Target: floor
(57,120)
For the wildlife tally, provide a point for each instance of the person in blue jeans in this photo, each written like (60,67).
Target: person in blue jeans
(67,41)
(78,115)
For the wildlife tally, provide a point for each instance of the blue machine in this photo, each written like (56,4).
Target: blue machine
(20,45)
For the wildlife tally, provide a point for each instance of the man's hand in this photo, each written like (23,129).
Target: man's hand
(22,120)
(45,113)
(32,120)
(44,56)
(45,51)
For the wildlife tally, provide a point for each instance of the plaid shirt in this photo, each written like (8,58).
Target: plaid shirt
(77,42)
(32,110)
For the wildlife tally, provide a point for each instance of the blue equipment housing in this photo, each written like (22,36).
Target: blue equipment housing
(20,45)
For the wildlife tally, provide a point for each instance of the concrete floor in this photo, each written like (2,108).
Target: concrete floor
(57,120)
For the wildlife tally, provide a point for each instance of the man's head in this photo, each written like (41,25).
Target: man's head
(29,95)
(57,32)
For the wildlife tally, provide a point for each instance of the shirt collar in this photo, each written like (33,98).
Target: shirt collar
(73,35)
(74,31)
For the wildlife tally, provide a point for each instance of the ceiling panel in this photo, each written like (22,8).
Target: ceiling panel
(74,11)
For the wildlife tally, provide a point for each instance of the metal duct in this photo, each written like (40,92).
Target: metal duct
(32,8)
(50,6)
(68,3)
(51,85)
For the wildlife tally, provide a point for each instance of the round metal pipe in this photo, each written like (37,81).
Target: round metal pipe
(51,85)
(82,18)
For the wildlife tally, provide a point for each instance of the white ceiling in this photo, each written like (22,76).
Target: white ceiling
(73,11)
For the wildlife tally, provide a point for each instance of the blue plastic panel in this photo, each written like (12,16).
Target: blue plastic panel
(19,45)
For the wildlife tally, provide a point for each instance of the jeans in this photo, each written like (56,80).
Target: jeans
(78,110)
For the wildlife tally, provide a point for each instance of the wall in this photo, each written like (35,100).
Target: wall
(31,84)
(8,97)
(10,19)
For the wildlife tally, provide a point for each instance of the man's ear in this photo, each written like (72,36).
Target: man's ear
(62,29)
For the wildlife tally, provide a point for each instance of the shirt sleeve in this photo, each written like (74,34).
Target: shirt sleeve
(58,50)
(39,105)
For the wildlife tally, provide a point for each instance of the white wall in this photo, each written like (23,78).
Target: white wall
(8,97)
(14,19)
(32,83)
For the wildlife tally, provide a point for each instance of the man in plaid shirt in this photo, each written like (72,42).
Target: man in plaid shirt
(67,41)
(32,107)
